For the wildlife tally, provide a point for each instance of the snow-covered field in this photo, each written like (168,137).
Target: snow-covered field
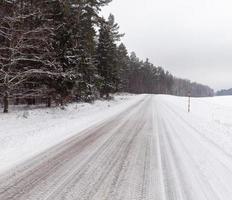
(211,115)
(216,109)
(24,134)
(197,147)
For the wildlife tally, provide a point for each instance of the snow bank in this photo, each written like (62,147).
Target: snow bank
(210,109)
(211,116)
(26,133)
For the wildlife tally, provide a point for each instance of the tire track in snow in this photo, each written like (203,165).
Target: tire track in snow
(111,161)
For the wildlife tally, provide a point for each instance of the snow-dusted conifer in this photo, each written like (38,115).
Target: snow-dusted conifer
(107,56)
(26,53)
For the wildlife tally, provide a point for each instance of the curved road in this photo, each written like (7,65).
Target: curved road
(148,152)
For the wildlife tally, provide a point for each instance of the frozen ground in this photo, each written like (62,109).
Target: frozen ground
(145,147)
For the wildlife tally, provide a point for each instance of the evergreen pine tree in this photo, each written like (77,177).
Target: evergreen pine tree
(123,67)
(107,57)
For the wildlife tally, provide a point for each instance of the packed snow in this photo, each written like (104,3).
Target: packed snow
(151,148)
(27,131)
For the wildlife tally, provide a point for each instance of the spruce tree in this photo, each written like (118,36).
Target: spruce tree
(107,57)
(123,67)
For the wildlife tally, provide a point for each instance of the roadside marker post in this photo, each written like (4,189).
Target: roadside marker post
(189,102)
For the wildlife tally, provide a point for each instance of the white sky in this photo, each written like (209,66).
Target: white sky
(190,38)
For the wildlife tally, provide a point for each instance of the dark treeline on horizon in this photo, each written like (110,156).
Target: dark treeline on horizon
(64,51)
(224,92)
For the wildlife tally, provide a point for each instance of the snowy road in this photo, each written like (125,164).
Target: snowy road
(153,150)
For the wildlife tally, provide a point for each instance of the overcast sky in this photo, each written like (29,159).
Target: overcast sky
(190,38)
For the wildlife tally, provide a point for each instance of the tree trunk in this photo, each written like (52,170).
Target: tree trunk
(62,103)
(49,102)
(6,102)
(17,101)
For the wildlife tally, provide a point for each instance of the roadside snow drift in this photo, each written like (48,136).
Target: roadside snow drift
(25,133)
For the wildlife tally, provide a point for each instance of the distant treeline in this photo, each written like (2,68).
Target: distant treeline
(182,86)
(224,92)
(63,51)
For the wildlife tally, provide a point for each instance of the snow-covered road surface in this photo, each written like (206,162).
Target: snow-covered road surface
(153,150)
